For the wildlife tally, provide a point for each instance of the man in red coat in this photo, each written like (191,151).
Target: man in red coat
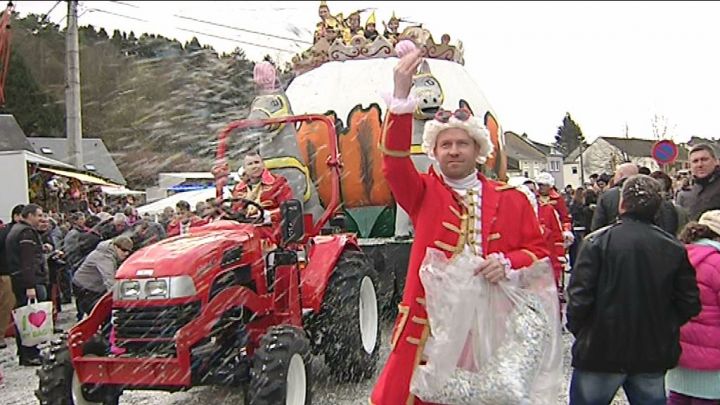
(547,194)
(456,210)
(551,230)
(259,185)
(184,220)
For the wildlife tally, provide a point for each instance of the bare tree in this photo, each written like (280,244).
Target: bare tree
(661,127)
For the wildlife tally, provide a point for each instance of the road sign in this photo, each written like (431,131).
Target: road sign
(665,152)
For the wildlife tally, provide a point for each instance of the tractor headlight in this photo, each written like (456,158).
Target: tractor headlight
(182,286)
(156,289)
(129,290)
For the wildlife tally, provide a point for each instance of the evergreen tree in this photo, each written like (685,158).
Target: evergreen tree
(35,111)
(569,136)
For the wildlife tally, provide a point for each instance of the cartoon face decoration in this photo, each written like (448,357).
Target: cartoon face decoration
(393,25)
(270,106)
(427,90)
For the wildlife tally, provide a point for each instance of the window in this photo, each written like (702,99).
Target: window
(554,166)
(574,170)
(90,167)
(525,174)
(46,151)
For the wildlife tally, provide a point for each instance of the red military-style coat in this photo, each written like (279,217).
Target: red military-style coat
(557,201)
(553,234)
(441,220)
(274,191)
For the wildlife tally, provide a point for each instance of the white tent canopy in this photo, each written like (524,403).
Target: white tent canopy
(192,197)
(120,191)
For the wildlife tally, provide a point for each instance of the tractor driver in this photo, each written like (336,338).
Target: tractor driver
(259,185)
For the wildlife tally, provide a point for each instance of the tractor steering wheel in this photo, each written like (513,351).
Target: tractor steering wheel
(227,207)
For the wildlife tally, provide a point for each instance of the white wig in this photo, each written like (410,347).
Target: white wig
(472,126)
(545,178)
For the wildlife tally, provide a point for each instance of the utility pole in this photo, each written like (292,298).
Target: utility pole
(73,117)
(582,166)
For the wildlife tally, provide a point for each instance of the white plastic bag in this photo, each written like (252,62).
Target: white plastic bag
(34,321)
(490,343)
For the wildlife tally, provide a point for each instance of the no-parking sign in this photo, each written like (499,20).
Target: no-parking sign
(665,152)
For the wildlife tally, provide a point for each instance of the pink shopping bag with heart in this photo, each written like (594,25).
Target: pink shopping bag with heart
(34,321)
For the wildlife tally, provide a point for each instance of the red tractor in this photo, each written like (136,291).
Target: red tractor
(234,302)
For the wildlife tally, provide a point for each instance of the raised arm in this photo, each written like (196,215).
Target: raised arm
(402,176)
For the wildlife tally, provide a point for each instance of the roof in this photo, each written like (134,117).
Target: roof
(634,147)
(37,159)
(12,136)
(95,155)
(715,143)
(637,147)
(519,148)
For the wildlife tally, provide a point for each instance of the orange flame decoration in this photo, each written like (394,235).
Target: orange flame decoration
(497,161)
(362,181)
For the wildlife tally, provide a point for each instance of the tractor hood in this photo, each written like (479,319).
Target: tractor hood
(187,254)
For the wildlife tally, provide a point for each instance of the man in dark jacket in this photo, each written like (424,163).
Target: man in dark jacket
(630,291)
(24,251)
(705,193)
(7,297)
(606,211)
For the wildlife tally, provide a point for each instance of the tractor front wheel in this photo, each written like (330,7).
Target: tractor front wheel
(281,371)
(348,324)
(59,383)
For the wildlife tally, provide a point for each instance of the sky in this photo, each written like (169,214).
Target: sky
(612,65)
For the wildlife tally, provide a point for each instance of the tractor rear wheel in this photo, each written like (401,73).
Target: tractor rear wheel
(348,323)
(59,383)
(281,371)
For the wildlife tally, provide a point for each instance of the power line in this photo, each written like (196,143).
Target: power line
(116,14)
(45,16)
(205,33)
(122,3)
(242,29)
(235,40)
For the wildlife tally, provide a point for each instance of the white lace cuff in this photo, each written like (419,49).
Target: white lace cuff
(399,105)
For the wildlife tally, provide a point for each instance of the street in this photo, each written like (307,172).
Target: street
(21,382)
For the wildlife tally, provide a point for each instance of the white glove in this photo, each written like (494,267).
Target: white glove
(568,239)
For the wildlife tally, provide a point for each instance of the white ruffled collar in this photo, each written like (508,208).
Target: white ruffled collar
(466,183)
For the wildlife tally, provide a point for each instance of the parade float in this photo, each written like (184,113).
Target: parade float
(344,75)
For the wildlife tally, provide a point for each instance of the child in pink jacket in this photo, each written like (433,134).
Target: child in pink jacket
(696,380)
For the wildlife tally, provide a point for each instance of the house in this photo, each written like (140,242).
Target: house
(696,140)
(528,158)
(605,153)
(12,137)
(96,157)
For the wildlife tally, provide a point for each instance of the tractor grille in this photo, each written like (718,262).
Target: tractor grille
(153,322)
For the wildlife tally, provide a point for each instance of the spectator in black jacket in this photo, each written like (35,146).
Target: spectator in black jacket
(581,216)
(630,291)
(24,251)
(7,297)
(667,216)
(606,211)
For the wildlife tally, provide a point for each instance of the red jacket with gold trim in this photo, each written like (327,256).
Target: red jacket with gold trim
(553,234)
(557,201)
(441,220)
(275,190)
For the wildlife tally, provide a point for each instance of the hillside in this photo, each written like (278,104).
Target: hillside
(156,103)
